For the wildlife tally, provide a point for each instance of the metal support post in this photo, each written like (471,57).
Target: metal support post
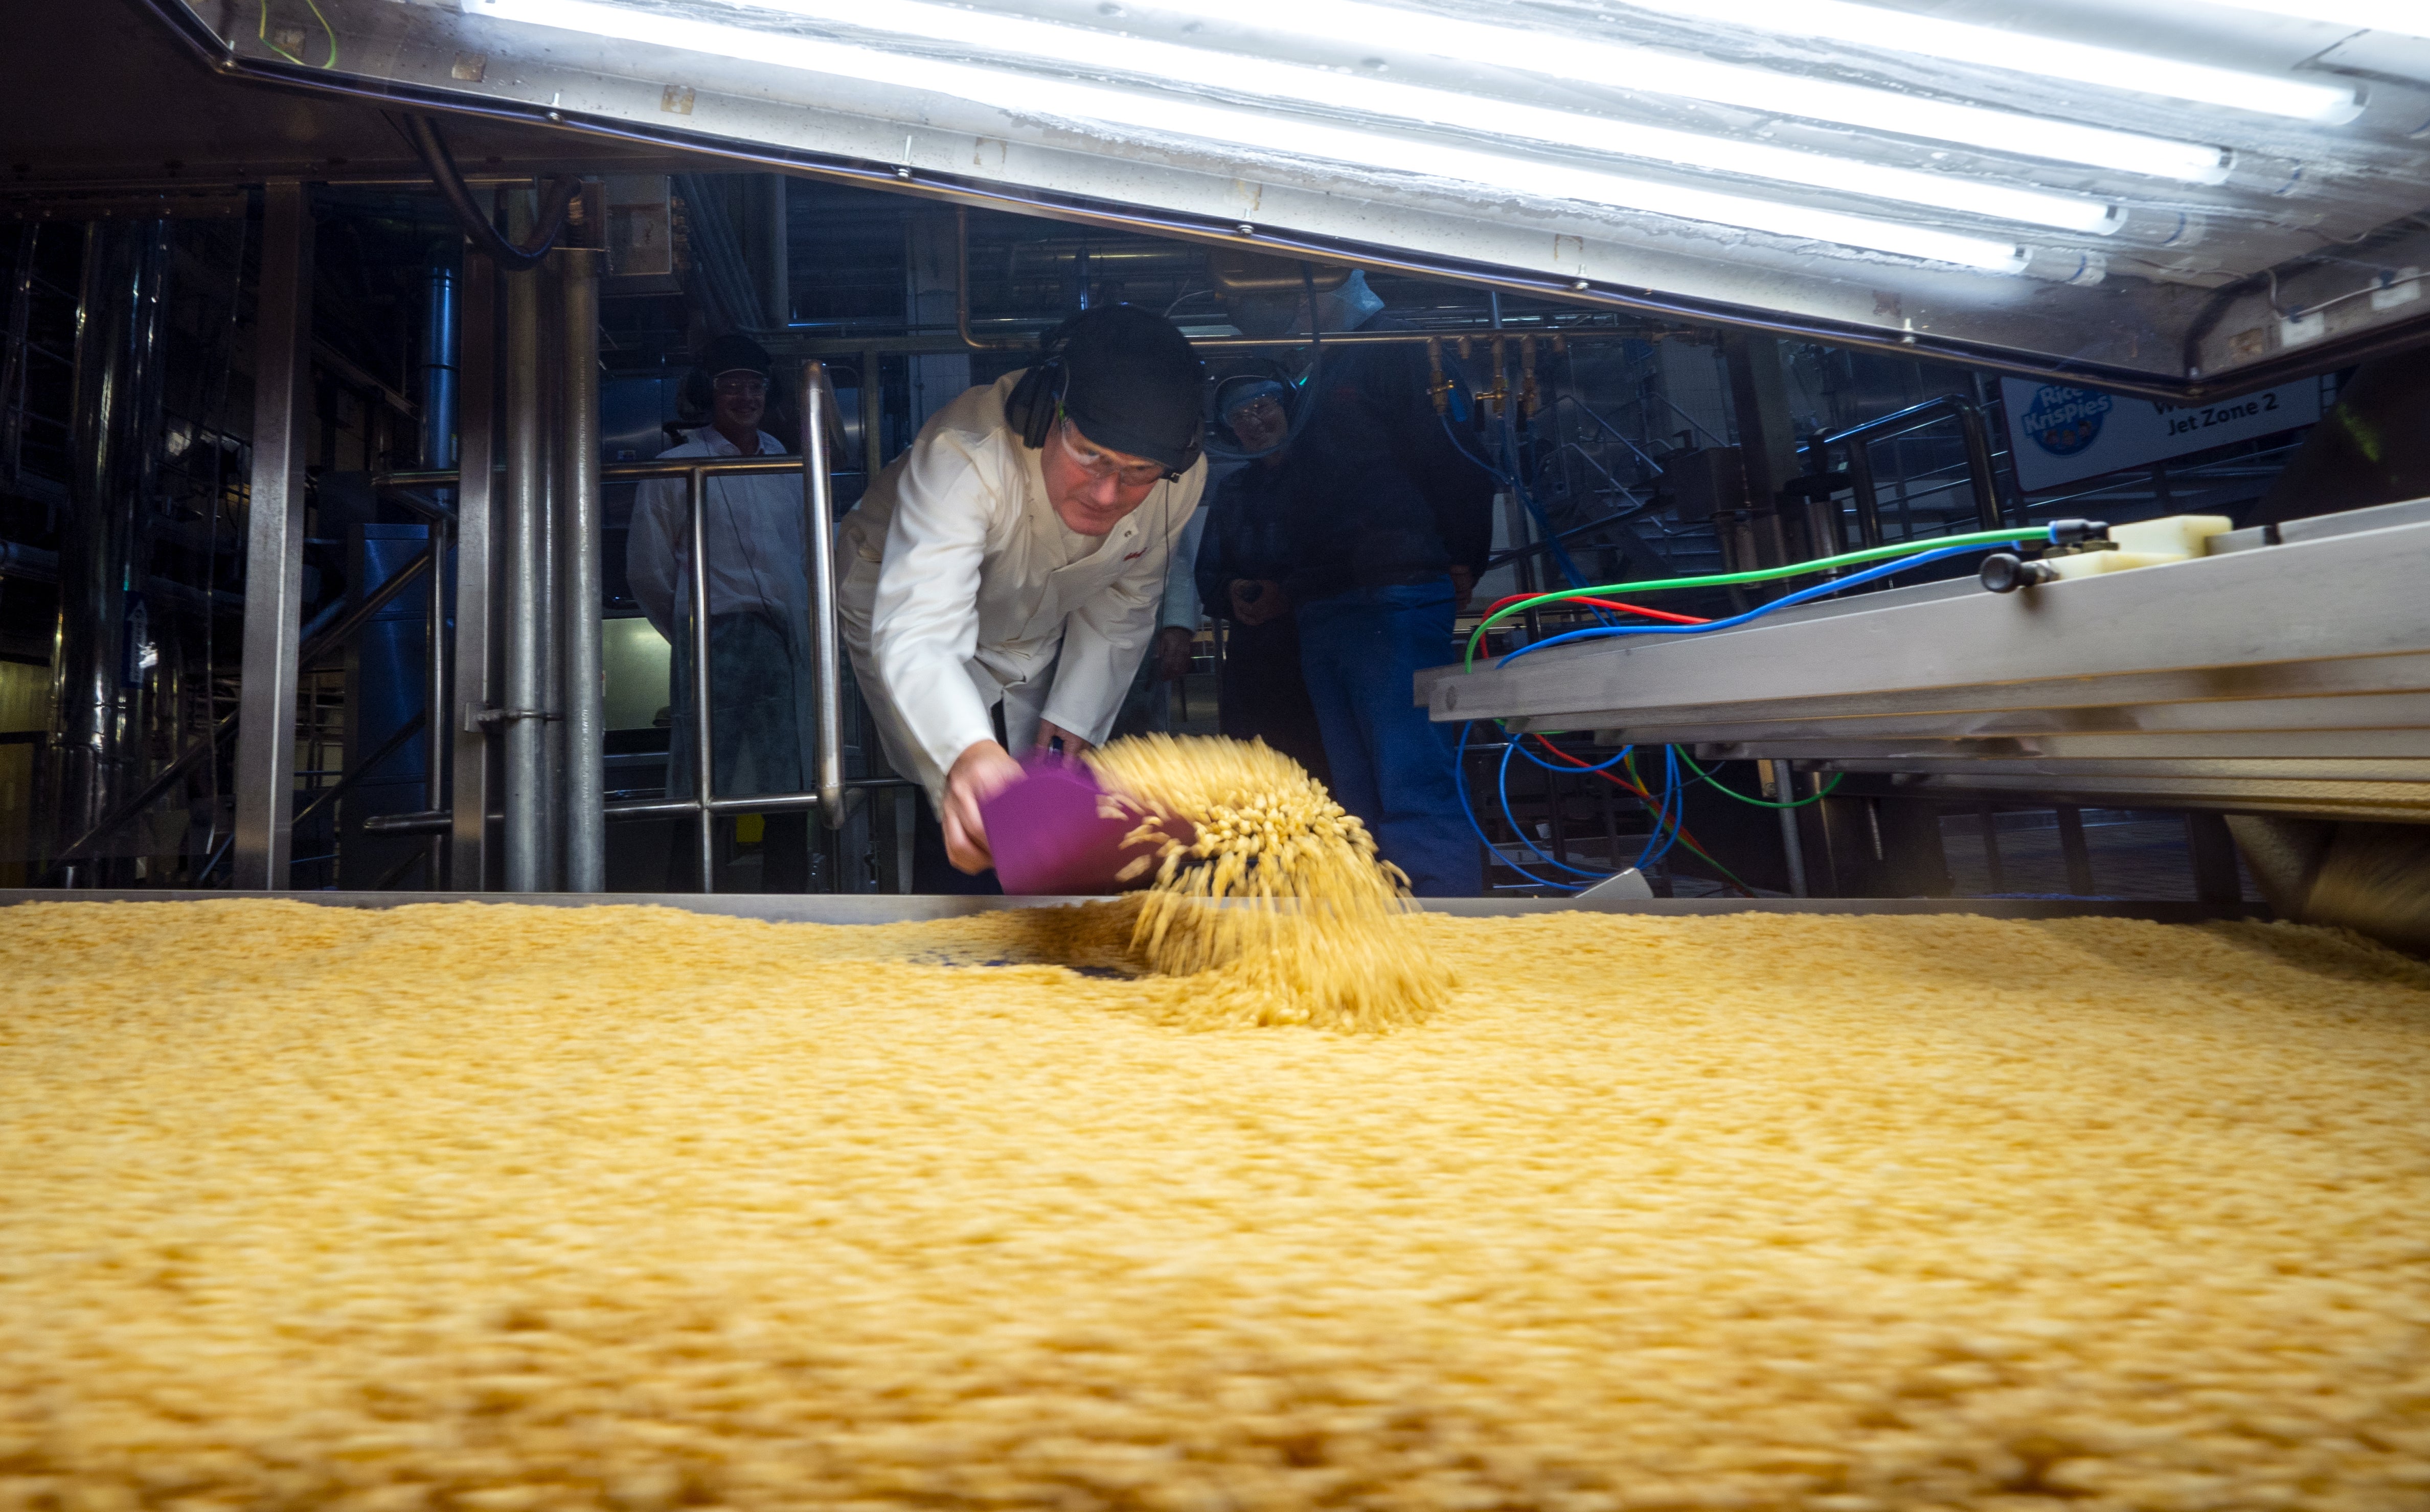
(1784,782)
(2212,850)
(547,612)
(435,721)
(2072,846)
(580,595)
(819,423)
(872,417)
(472,782)
(523,716)
(1869,503)
(265,754)
(703,751)
(1767,436)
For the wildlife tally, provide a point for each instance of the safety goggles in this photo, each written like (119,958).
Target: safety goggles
(1099,463)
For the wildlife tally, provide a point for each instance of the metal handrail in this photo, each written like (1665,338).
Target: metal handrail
(608,471)
(830,793)
(1859,438)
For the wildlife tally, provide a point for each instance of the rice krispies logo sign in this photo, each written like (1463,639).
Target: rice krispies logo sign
(2063,421)
(2061,434)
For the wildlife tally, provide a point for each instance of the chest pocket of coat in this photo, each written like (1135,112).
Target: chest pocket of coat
(1065,590)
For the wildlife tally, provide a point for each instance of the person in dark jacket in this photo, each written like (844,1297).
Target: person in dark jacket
(1389,527)
(1242,559)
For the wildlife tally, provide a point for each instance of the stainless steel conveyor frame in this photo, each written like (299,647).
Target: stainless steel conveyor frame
(2286,671)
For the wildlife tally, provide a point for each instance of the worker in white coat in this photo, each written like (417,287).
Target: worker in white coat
(759,684)
(1001,578)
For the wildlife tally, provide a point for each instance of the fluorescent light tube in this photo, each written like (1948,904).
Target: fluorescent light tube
(2406,18)
(1229,130)
(2025,52)
(1648,70)
(1074,47)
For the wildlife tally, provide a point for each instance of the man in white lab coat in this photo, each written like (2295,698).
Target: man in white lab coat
(1001,578)
(759,684)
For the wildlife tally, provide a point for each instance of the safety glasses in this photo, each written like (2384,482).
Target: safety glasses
(1099,463)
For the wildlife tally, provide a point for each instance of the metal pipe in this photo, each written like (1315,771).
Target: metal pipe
(434,698)
(765,802)
(522,714)
(550,560)
(274,597)
(439,375)
(423,133)
(872,416)
(470,779)
(98,679)
(705,835)
(585,706)
(435,820)
(438,366)
(963,297)
(618,471)
(311,652)
(818,562)
(1791,843)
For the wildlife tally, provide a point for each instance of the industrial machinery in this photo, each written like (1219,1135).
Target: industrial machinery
(2175,229)
(2276,672)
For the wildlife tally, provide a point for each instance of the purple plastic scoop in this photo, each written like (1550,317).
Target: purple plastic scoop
(1054,833)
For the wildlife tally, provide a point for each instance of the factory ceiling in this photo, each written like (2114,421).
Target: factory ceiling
(2178,199)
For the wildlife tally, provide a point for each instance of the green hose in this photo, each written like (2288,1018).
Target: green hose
(1760,802)
(1761,575)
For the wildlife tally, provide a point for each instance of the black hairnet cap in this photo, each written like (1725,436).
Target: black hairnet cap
(734,354)
(1134,385)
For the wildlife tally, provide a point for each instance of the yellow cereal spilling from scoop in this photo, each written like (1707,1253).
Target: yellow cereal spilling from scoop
(1270,906)
(498,1206)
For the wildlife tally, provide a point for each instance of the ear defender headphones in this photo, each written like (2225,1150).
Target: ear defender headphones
(1037,398)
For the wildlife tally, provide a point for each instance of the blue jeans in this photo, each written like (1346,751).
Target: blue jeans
(1391,765)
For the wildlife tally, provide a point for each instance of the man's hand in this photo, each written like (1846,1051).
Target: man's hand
(1464,583)
(1258,601)
(982,770)
(1173,645)
(1049,732)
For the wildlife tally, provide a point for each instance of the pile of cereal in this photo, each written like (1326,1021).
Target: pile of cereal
(501,1207)
(1269,904)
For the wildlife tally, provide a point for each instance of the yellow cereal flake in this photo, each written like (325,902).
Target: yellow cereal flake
(498,1206)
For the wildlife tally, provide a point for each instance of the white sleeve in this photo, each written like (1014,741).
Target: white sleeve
(1182,610)
(650,551)
(1104,639)
(925,619)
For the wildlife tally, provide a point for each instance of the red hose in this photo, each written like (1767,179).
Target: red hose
(1605,603)
(1685,838)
